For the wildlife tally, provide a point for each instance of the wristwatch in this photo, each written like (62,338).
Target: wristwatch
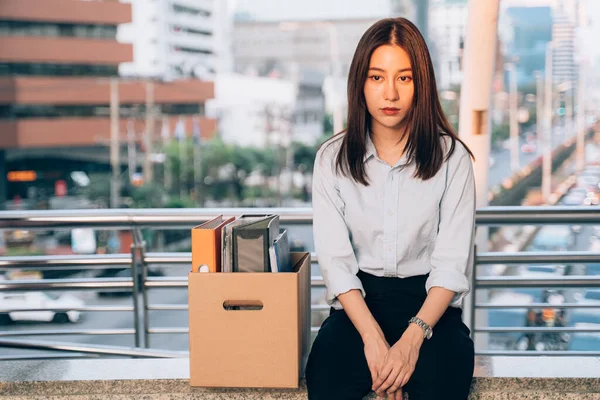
(428,332)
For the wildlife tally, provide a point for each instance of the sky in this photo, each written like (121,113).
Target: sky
(313,9)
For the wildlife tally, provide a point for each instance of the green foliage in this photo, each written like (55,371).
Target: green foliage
(500,132)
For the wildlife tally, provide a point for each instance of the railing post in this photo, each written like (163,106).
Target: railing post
(144,266)
(471,324)
(135,293)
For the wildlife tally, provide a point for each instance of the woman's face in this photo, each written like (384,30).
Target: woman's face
(389,87)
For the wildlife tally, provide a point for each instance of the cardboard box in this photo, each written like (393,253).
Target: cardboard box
(249,347)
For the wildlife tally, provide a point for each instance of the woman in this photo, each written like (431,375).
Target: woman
(394,208)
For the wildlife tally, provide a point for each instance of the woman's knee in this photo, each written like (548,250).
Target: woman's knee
(336,367)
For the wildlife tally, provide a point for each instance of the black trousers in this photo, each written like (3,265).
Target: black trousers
(337,368)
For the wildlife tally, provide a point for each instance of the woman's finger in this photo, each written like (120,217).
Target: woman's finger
(382,376)
(397,385)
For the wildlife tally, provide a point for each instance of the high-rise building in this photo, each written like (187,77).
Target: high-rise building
(564,68)
(178,38)
(447,27)
(56,61)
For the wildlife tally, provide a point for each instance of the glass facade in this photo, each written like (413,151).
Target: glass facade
(52,29)
(25,111)
(26,69)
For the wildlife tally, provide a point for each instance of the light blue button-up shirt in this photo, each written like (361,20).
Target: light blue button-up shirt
(398,226)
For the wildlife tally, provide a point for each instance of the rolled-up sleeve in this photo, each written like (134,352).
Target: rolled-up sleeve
(451,259)
(337,260)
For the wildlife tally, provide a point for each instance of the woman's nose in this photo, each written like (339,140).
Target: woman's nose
(391,93)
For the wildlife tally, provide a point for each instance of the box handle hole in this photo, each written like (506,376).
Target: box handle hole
(242,305)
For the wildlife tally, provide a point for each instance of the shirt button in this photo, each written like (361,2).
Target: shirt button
(390,212)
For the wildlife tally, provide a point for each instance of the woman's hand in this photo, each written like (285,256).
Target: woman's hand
(399,363)
(376,349)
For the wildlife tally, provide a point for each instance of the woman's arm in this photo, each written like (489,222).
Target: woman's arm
(375,345)
(337,260)
(450,267)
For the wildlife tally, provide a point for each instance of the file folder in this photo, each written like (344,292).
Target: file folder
(206,245)
(227,239)
(251,243)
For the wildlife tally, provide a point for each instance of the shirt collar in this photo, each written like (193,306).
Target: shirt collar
(370,147)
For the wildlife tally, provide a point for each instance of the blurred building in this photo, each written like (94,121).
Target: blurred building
(525,32)
(564,68)
(447,28)
(57,57)
(311,10)
(178,38)
(254,111)
(315,54)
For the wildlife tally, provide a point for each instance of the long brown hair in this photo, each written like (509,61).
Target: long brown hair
(426,120)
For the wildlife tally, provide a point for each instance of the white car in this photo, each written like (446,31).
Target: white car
(42,305)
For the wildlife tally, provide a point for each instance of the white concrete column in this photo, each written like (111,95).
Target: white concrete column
(474,124)
(547,133)
(580,118)
(475,96)
(514,122)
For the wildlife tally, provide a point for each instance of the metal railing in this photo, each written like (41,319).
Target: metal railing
(135,220)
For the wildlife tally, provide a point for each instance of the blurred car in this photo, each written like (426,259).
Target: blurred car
(528,148)
(124,273)
(590,296)
(44,303)
(591,182)
(552,238)
(541,271)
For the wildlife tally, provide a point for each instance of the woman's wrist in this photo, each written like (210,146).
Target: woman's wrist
(414,335)
(372,335)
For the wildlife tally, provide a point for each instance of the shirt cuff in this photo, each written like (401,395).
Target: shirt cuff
(450,279)
(340,285)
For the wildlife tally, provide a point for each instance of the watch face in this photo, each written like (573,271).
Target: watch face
(429,334)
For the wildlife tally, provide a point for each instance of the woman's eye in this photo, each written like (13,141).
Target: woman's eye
(405,78)
(376,77)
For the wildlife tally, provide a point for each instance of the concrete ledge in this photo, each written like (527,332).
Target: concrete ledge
(496,378)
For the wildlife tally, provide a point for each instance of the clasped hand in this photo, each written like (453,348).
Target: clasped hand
(392,367)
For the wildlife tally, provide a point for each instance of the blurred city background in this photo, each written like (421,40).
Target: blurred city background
(218,104)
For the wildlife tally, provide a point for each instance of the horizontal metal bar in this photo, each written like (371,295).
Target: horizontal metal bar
(534,215)
(537,305)
(533,353)
(186,258)
(168,330)
(317,281)
(320,307)
(168,307)
(54,262)
(519,282)
(531,329)
(65,284)
(188,217)
(138,218)
(92,349)
(168,258)
(59,309)
(38,356)
(166,282)
(57,332)
(535,257)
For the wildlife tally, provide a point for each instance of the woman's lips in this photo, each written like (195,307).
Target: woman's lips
(390,111)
